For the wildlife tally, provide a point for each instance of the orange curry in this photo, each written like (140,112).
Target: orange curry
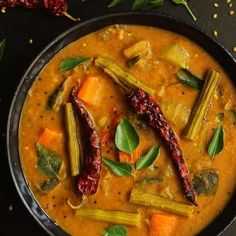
(139,191)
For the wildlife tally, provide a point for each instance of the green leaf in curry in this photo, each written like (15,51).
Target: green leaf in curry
(185,3)
(49,163)
(2,47)
(126,137)
(72,62)
(131,62)
(115,3)
(147,160)
(55,100)
(49,184)
(118,168)
(217,142)
(186,77)
(205,182)
(115,230)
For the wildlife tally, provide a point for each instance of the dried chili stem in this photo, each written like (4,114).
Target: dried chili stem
(139,196)
(66,14)
(211,82)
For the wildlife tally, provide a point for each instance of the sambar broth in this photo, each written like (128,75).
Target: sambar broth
(114,191)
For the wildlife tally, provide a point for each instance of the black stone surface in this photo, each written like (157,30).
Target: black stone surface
(20,25)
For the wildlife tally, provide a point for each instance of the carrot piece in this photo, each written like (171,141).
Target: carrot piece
(162,225)
(90,91)
(48,136)
(126,157)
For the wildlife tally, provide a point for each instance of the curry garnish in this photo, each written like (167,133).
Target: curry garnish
(72,62)
(116,230)
(217,142)
(118,168)
(188,78)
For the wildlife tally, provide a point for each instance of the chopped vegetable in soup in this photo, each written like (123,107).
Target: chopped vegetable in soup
(130,131)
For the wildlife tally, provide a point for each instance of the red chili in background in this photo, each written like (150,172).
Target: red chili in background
(147,108)
(89,178)
(55,7)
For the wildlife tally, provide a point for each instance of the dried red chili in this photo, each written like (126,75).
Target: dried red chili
(149,110)
(89,178)
(55,7)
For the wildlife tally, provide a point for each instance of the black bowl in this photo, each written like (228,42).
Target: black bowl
(174,24)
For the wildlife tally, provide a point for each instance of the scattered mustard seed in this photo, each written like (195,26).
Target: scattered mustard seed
(216,4)
(230,5)
(30,41)
(234,49)
(215,15)
(231,12)
(10,208)
(215,33)
(228,1)
(3,10)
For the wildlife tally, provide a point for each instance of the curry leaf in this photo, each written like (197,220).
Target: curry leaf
(133,61)
(138,4)
(118,168)
(2,47)
(217,142)
(126,137)
(147,160)
(115,230)
(205,182)
(189,79)
(70,63)
(115,3)
(48,185)
(156,3)
(184,2)
(48,162)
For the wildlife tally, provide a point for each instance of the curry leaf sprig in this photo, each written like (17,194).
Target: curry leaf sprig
(2,47)
(127,140)
(140,4)
(185,3)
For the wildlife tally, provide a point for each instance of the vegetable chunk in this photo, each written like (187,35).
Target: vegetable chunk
(48,136)
(90,91)
(176,54)
(162,225)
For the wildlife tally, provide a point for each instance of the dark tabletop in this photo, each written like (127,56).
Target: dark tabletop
(20,25)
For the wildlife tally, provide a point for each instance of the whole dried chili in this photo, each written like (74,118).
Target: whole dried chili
(55,7)
(149,110)
(89,177)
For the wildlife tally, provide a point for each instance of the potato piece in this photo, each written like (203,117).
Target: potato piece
(176,54)
(140,48)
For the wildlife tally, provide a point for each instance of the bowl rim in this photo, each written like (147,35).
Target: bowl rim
(23,188)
